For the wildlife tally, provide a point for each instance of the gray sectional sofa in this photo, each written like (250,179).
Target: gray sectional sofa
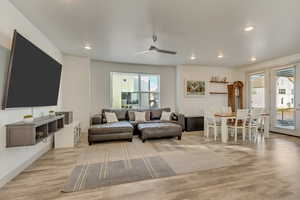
(153,127)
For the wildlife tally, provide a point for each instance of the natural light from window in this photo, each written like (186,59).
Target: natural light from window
(135,90)
(257,90)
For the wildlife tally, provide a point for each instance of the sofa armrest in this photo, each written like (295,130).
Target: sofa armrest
(96,119)
(180,120)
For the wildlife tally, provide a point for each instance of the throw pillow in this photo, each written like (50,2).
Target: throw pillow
(111,117)
(165,116)
(140,116)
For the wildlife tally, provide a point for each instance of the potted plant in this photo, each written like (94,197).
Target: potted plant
(28,118)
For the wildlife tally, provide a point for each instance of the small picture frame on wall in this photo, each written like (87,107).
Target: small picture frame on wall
(194,88)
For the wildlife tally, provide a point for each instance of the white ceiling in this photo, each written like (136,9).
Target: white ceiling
(117,29)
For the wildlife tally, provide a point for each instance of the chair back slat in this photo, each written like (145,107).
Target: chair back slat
(226,109)
(255,113)
(242,114)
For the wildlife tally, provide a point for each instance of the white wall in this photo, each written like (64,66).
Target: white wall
(100,84)
(197,105)
(76,88)
(12,19)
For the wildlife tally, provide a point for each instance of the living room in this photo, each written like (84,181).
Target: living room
(149,99)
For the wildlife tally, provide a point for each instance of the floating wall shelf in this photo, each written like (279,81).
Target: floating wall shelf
(223,82)
(218,93)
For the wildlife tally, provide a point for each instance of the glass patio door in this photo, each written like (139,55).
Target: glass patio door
(283,100)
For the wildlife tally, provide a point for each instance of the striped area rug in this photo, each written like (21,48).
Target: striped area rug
(114,163)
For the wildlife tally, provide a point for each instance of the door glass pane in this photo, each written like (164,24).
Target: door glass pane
(285,97)
(257,90)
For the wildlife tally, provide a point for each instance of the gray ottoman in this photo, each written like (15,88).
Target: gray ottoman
(159,130)
(111,131)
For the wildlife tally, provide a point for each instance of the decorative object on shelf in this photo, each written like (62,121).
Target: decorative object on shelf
(216,79)
(194,88)
(68,115)
(28,118)
(51,113)
(235,95)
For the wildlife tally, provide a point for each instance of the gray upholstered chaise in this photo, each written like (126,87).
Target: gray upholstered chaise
(111,131)
(127,126)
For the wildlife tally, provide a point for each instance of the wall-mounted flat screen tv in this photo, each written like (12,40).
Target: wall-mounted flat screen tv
(33,76)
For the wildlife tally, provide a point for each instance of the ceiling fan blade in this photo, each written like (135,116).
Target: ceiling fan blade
(166,51)
(142,52)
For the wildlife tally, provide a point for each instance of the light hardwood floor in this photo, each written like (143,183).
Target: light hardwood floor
(269,170)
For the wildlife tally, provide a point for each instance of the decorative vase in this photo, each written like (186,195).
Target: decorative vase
(28,119)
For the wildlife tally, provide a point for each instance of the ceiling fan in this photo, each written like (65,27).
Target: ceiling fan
(154,48)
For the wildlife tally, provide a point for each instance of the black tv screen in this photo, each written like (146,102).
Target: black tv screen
(33,77)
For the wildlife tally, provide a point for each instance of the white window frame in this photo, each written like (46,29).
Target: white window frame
(140,74)
(248,82)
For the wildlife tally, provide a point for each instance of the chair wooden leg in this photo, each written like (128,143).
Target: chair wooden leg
(250,133)
(235,135)
(244,134)
(215,132)
(206,130)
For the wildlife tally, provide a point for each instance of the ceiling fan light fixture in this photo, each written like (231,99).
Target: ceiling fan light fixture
(249,28)
(87,47)
(193,57)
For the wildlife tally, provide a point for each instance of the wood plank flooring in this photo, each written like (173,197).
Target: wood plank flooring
(269,170)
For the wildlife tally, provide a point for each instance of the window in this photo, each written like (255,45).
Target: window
(135,90)
(281,91)
(281,100)
(257,90)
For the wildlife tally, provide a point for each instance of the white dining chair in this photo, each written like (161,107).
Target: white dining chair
(226,109)
(239,123)
(212,123)
(255,122)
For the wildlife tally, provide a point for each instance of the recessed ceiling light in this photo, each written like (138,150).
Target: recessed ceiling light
(249,28)
(220,56)
(88,47)
(253,59)
(193,57)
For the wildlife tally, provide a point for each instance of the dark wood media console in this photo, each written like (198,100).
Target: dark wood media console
(25,134)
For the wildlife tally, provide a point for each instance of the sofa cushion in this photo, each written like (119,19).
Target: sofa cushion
(122,114)
(131,114)
(140,116)
(117,127)
(156,113)
(111,117)
(166,115)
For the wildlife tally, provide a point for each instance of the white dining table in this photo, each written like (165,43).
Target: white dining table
(226,116)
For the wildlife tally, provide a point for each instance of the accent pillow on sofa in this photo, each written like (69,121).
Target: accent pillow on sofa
(111,117)
(140,116)
(165,116)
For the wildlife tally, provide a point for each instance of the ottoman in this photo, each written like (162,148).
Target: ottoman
(159,130)
(111,131)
